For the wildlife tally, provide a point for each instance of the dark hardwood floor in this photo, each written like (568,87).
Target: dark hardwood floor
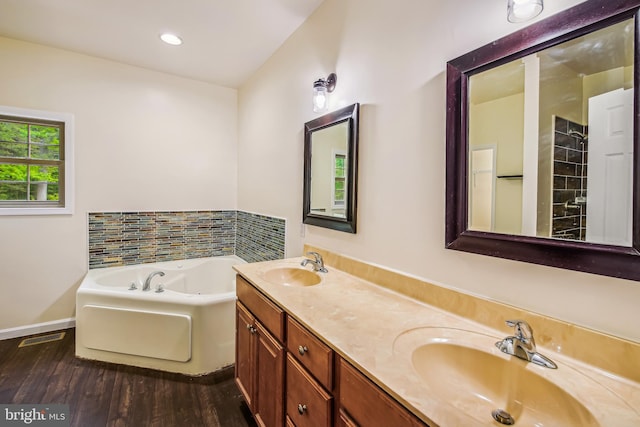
(103,394)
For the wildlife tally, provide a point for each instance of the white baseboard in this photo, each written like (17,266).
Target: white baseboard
(38,328)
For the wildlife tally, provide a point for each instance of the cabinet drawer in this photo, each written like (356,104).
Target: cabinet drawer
(270,315)
(308,404)
(312,353)
(368,405)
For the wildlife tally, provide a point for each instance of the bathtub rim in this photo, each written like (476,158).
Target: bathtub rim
(90,286)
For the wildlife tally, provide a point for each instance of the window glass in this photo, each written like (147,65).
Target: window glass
(339,180)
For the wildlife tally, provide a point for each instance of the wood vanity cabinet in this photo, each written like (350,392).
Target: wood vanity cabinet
(289,377)
(260,356)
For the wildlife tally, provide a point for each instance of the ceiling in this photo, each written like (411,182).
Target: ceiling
(606,49)
(225,41)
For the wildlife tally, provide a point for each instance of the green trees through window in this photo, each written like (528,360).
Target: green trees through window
(31,157)
(339,176)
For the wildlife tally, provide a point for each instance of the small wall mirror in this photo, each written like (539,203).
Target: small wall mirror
(330,170)
(542,143)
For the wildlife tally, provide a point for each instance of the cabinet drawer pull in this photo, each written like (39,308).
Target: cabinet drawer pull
(302,350)
(301,408)
(251,329)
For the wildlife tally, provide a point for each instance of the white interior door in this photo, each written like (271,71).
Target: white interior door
(482,188)
(609,168)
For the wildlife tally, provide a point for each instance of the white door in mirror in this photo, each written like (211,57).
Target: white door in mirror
(609,168)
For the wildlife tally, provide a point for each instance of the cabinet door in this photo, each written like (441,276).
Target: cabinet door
(246,342)
(269,399)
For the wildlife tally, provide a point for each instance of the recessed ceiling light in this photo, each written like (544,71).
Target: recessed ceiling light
(171,39)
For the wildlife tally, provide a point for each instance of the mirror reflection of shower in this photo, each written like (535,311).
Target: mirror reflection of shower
(581,136)
(569,179)
(592,172)
(581,199)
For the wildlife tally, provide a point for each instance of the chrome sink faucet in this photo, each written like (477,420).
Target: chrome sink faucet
(147,282)
(522,345)
(318,263)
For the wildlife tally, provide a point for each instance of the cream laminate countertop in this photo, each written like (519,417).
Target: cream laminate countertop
(377,329)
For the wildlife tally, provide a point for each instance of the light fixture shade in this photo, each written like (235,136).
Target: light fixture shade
(320,98)
(321,90)
(523,10)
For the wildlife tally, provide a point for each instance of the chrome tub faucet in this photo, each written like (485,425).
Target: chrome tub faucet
(318,263)
(147,282)
(522,345)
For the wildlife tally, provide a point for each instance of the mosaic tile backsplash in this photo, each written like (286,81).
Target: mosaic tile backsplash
(126,238)
(259,237)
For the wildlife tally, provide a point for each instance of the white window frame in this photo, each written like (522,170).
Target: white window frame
(69,177)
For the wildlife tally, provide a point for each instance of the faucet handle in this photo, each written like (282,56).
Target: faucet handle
(523,330)
(316,255)
(318,263)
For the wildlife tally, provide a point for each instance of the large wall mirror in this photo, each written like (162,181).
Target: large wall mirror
(331,170)
(542,143)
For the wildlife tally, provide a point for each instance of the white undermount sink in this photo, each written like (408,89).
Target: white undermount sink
(464,369)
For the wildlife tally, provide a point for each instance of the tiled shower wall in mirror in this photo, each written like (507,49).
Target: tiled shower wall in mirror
(126,238)
(570,179)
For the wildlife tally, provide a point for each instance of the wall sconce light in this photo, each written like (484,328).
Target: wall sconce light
(321,90)
(523,10)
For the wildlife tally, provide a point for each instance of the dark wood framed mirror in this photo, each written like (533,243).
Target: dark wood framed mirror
(331,170)
(540,178)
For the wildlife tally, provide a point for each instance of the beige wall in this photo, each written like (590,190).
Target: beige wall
(390,57)
(143,141)
(500,122)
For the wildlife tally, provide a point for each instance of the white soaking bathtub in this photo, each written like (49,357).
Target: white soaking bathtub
(188,327)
